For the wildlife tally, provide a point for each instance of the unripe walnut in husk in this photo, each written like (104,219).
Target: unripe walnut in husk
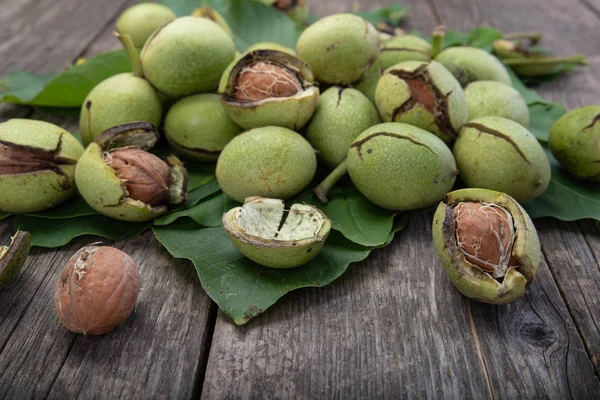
(491,98)
(342,115)
(214,16)
(499,154)
(37,165)
(378,160)
(396,50)
(269,161)
(575,142)
(197,127)
(425,95)
(120,99)
(97,290)
(339,48)
(141,20)
(187,56)
(269,88)
(487,244)
(470,64)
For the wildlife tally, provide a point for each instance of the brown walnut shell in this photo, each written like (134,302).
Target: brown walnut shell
(97,290)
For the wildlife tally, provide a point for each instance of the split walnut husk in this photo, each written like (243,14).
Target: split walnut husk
(261,230)
(37,164)
(129,183)
(13,256)
(270,88)
(487,244)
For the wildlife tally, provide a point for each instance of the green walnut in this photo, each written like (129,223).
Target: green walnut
(491,98)
(141,20)
(394,51)
(128,183)
(214,16)
(13,256)
(575,142)
(142,135)
(37,165)
(425,95)
(342,115)
(499,154)
(270,46)
(118,100)
(469,64)
(487,244)
(270,162)
(339,48)
(260,232)
(269,87)
(397,166)
(199,49)
(197,127)
(295,9)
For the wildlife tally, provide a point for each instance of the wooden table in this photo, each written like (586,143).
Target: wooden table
(392,326)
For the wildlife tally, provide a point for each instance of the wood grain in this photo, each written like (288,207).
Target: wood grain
(392,326)
(161,351)
(346,340)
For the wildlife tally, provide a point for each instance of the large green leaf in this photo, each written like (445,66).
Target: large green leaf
(73,208)
(251,21)
(542,115)
(206,213)
(566,198)
(242,288)
(4,215)
(199,174)
(529,95)
(65,89)
(47,232)
(353,215)
(393,14)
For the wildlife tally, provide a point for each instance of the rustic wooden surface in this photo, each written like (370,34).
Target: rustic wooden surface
(391,327)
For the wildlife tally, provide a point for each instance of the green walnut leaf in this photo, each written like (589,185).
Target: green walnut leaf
(199,174)
(208,212)
(392,15)
(196,199)
(242,288)
(73,208)
(353,215)
(483,37)
(47,232)
(566,199)
(250,21)
(529,95)
(66,89)
(542,115)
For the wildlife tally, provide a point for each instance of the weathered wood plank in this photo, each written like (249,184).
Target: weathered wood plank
(161,351)
(568,254)
(573,259)
(395,327)
(392,326)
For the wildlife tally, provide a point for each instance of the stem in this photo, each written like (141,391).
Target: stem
(578,60)
(331,180)
(132,54)
(533,37)
(437,45)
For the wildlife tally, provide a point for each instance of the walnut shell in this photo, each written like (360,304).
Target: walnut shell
(97,290)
